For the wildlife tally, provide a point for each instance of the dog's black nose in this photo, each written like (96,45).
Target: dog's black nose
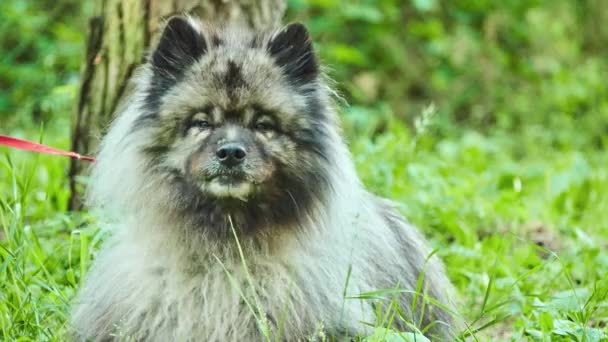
(231,154)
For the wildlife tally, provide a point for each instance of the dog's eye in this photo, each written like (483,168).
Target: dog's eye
(201,124)
(264,124)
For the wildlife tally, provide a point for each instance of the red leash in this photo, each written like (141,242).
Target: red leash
(32,146)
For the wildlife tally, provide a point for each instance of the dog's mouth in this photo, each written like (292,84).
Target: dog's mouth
(240,183)
(229,179)
(230,184)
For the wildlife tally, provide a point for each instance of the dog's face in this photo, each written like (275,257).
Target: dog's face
(233,155)
(235,121)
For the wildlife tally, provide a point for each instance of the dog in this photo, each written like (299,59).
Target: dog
(235,209)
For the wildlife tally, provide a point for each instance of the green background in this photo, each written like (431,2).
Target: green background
(487,121)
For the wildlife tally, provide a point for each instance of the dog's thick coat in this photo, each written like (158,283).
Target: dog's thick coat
(309,233)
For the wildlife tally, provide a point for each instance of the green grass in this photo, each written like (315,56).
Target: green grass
(43,249)
(523,233)
(508,177)
(489,212)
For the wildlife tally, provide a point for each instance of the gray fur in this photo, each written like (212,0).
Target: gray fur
(163,277)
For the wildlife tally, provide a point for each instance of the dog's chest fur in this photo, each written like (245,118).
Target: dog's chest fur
(297,290)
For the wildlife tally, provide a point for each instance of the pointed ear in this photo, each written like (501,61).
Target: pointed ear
(180,45)
(292,50)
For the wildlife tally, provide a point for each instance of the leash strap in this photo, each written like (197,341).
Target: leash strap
(35,147)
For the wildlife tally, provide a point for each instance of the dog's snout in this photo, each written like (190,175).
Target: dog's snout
(231,154)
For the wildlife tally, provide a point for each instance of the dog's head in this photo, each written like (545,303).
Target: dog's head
(236,122)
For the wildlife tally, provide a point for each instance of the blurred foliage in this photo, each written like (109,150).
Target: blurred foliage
(506,172)
(513,64)
(485,64)
(40,47)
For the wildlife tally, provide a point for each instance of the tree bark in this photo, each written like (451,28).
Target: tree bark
(118,36)
(594,22)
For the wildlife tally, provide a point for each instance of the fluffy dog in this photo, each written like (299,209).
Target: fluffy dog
(235,208)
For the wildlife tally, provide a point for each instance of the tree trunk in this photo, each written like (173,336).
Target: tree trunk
(594,20)
(118,36)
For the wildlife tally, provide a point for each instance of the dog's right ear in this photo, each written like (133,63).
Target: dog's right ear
(180,45)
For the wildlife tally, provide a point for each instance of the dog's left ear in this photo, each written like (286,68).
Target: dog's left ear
(292,49)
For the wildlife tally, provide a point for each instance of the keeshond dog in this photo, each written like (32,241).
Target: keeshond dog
(235,210)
